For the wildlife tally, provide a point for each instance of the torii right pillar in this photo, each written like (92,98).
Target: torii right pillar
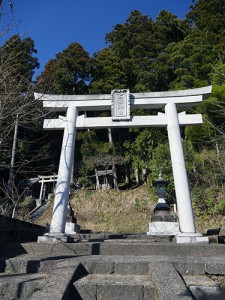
(186,218)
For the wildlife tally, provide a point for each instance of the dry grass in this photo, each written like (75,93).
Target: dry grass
(120,211)
(205,222)
(46,216)
(114,211)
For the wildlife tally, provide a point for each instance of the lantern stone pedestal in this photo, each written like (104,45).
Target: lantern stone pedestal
(163,222)
(163,228)
(71,223)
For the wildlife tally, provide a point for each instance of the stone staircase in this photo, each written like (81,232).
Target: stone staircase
(119,269)
(37,212)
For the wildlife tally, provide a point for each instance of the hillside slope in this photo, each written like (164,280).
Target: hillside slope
(114,211)
(127,211)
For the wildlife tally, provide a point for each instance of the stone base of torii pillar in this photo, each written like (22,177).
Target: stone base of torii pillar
(71,228)
(67,237)
(54,238)
(191,238)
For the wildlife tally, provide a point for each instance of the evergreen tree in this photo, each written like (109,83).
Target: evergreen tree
(107,72)
(17,61)
(68,73)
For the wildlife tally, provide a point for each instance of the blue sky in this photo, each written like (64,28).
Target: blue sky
(54,24)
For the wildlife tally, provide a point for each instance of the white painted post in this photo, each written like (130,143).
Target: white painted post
(184,205)
(65,165)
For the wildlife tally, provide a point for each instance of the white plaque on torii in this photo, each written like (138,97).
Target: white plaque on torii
(120,103)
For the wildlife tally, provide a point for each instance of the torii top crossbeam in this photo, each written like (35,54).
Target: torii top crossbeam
(182,98)
(150,100)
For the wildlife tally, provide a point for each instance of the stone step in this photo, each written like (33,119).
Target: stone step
(20,286)
(206,287)
(94,237)
(115,247)
(125,277)
(114,286)
(30,263)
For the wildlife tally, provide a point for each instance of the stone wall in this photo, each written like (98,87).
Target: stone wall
(15,230)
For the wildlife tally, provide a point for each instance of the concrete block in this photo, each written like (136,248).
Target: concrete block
(221,239)
(8,291)
(99,266)
(121,287)
(20,287)
(177,250)
(150,293)
(169,284)
(16,230)
(213,231)
(72,228)
(85,289)
(190,267)
(131,267)
(115,286)
(16,265)
(191,239)
(59,248)
(204,288)
(53,238)
(215,267)
(163,228)
(58,284)
(119,291)
(208,293)
(30,264)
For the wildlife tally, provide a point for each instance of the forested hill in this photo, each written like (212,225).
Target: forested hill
(143,55)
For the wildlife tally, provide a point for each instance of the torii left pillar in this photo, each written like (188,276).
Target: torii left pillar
(57,227)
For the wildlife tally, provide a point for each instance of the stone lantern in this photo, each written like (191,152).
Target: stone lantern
(163,221)
(160,185)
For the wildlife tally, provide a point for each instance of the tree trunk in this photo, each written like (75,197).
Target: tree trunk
(14,211)
(137,175)
(127,174)
(144,175)
(11,168)
(97,180)
(115,180)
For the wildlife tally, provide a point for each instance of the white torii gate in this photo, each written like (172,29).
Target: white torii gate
(120,102)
